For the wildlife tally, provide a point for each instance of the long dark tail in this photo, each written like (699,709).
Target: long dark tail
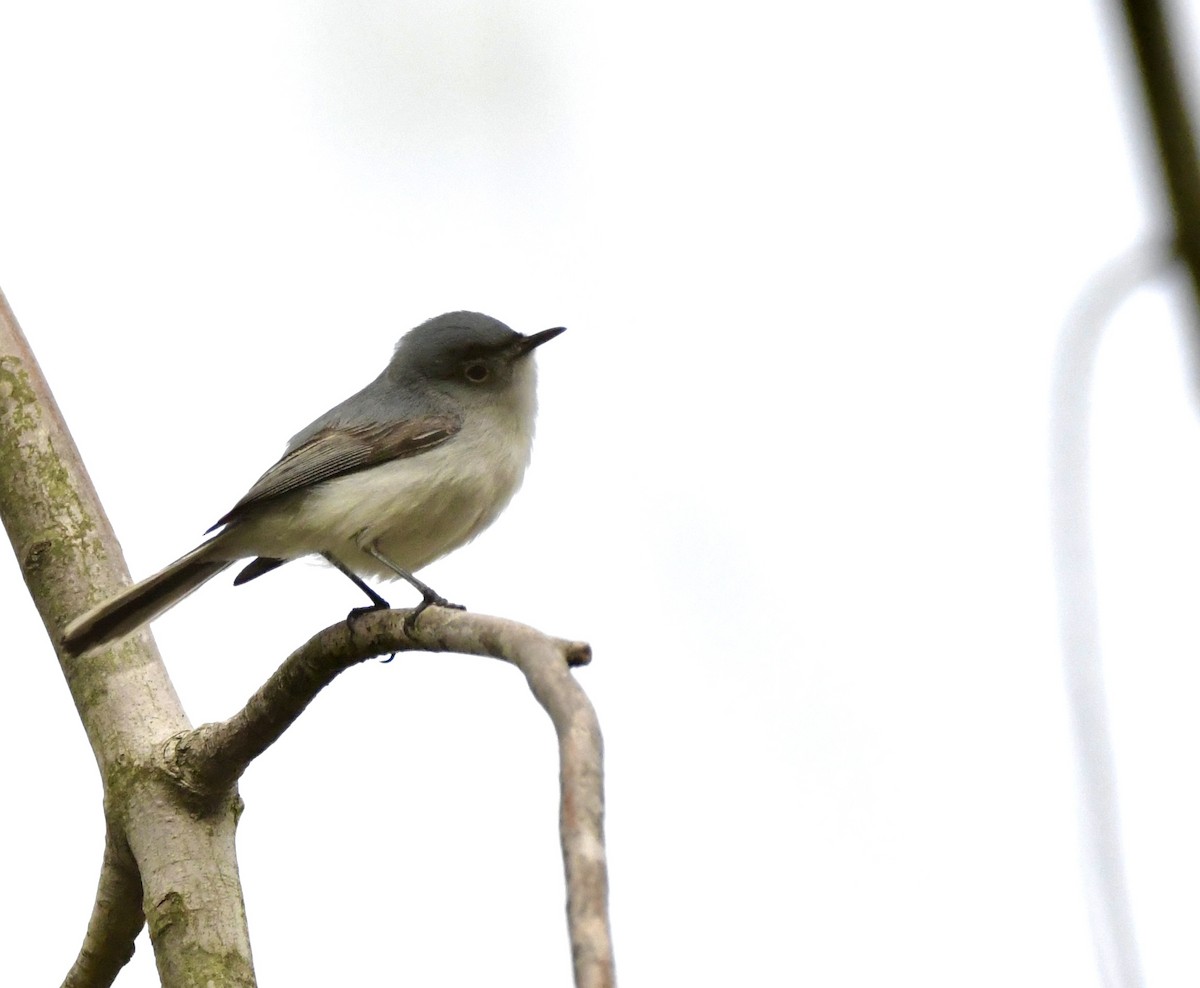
(142,602)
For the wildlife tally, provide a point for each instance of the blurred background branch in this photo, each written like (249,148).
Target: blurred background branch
(1167,107)
(1106,883)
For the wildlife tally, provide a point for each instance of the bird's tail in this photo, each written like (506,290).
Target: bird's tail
(142,602)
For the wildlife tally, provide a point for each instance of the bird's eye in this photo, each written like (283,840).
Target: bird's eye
(476,373)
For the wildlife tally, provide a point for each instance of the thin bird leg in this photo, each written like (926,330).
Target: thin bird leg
(377,602)
(428,595)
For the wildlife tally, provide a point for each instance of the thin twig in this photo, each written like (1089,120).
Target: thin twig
(1103,864)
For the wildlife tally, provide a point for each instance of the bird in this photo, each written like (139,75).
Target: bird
(404,471)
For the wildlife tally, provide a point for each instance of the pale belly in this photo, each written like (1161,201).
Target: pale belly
(413,510)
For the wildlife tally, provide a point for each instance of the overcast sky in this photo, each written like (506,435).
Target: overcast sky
(790,476)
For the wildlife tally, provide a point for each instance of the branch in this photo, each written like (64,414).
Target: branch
(1175,137)
(70,558)
(184,859)
(116,920)
(67,550)
(1106,887)
(210,758)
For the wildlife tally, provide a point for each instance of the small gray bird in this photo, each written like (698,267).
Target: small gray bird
(414,465)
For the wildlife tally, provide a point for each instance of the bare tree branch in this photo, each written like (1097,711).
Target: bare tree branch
(205,761)
(209,758)
(1102,859)
(116,920)
(69,558)
(545,663)
(170,796)
(1174,133)
(1175,141)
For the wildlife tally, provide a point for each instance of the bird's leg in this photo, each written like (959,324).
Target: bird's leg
(428,595)
(377,602)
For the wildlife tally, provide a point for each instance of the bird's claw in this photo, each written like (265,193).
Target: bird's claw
(358,612)
(430,600)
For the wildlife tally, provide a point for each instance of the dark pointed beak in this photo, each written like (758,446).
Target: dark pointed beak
(528,343)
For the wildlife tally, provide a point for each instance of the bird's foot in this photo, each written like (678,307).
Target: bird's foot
(429,600)
(358,612)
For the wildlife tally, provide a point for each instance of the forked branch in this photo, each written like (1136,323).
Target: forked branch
(162,857)
(210,758)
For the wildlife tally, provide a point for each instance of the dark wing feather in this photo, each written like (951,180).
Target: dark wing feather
(336,451)
(259,566)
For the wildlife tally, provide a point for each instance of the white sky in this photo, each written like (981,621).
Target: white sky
(790,476)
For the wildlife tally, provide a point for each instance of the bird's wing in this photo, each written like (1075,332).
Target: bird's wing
(336,451)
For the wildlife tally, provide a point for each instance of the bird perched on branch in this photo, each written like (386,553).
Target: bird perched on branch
(414,465)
